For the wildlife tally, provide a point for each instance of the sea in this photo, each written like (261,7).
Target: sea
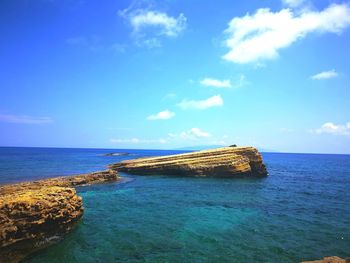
(301,211)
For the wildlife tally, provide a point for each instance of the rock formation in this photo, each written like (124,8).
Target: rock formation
(63,181)
(330,260)
(36,214)
(221,162)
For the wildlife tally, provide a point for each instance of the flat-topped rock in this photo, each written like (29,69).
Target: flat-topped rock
(333,259)
(63,181)
(33,219)
(220,162)
(36,214)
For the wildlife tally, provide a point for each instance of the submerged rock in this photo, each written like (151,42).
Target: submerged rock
(116,154)
(221,162)
(36,214)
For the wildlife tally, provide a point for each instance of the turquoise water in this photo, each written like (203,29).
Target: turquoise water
(301,211)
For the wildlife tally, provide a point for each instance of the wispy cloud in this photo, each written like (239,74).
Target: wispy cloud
(24,119)
(293,3)
(167,25)
(118,48)
(92,42)
(325,75)
(120,129)
(199,133)
(214,101)
(191,134)
(95,43)
(335,129)
(163,115)
(260,36)
(169,96)
(286,130)
(216,83)
(149,25)
(137,141)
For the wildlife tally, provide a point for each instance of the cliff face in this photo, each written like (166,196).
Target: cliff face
(221,162)
(33,219)
(36,214)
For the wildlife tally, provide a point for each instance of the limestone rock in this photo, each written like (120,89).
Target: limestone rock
(36,214)
(32,219)
(64,181)
(330,260)
(221,162)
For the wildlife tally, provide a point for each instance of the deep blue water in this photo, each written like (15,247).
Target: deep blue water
(300,212)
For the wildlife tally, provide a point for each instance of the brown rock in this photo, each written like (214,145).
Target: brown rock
(36,214)
(32,219)
(64,181)
(330,260)
(221,162)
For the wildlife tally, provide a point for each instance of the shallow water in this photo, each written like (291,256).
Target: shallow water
(301,211)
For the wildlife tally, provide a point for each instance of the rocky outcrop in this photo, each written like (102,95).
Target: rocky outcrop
(221,162)
(330,260)
(116,154)
(64,181)
(36,214)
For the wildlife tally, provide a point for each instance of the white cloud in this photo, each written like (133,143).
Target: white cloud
(331,128)
(199,133)
(24,119)
(149,26)
(260,36)
(293,3)
(214,101)
(325,75)
(166,25)
(137,141)
(242,80)
(192,134)
(163,115)
(210,82)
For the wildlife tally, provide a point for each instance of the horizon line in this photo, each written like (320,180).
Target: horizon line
(174,149)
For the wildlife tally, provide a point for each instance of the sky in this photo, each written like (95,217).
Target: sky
(169,74)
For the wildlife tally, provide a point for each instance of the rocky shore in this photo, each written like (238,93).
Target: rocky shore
(221,162)
(36,214)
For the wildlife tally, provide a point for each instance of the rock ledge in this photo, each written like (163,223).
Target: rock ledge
(36,214)
(221,162)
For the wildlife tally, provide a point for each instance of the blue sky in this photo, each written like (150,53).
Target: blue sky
(171,74)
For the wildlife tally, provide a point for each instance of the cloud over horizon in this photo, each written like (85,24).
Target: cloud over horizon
(214,101)
(191,134)
(335,129)
(137,141)
(257,37)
